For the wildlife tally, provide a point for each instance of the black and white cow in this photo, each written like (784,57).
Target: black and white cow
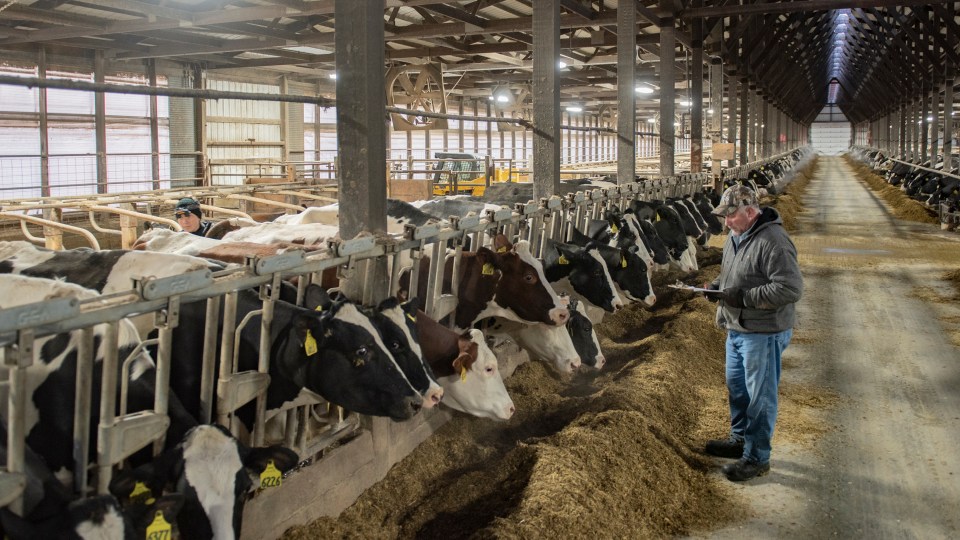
(627,267)
(669,227)
(51,379)
(212,470)
(396,323)
(336,353)
(580,272)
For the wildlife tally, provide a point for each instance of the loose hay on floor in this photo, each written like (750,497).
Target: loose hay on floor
(900,205)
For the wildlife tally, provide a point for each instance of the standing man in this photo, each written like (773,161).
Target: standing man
(190,217)
(759,284)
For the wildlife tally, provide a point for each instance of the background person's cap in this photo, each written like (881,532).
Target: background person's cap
(188,204)
(735,197)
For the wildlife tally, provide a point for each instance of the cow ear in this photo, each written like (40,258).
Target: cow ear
(501,244)
(411,306)
(316,296)
(283,458)
(309,331)
(568,254)
(578,238)
(485,256)
(388,303)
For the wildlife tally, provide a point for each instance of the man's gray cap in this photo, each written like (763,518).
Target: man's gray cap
(734,198)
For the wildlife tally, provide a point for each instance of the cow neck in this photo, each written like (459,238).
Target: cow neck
(476,289)
(440,345)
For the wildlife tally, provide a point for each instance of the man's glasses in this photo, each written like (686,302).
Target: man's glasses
(179,215)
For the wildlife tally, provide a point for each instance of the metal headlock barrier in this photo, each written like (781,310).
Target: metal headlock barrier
(946,216)
(120,432)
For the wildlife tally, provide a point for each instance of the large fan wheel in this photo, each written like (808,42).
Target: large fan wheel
(420,88)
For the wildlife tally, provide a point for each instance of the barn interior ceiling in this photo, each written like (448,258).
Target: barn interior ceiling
(877,53)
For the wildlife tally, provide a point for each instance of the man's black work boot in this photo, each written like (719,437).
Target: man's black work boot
(728,448)
(745,469)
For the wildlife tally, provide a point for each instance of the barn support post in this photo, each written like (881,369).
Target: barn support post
(948,118)
(626,91)
(948,76)
(668,54)
(361,133)
(200,129)
(44,127)
(744,121)
(766,151)
(935,123)
(100,123)
(154,126)
(732,113)
(924,126)
(902,130)
(696,95)
(546,98)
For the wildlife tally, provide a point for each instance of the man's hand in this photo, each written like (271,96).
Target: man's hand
(733,297)
(711,297)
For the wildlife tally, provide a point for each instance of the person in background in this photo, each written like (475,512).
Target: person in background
(758,286)
(190,217)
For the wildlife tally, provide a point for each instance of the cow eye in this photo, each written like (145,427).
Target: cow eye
(530,278)
(395,345)
(490,369)
(362,352)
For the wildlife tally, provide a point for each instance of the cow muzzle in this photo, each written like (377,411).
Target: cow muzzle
(559,316)
(432,397)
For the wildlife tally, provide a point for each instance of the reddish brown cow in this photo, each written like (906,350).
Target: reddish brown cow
(508,283)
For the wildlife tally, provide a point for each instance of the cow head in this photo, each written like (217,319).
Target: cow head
(586,271)
(339,354)
(629,272)
(212,470)
(475,385)
(466,368)
(522,291)
(396,323)
(583,336)
(551,344)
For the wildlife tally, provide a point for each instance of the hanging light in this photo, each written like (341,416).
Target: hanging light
(561,64)
(574,108)
(644,89)
(651,121)
(333,75)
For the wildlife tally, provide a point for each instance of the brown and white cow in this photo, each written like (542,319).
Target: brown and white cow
(466,368)
(508,283)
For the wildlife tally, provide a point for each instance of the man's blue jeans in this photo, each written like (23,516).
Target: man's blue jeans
(753,375)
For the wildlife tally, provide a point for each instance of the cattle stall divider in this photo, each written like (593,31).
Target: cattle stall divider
(123,433)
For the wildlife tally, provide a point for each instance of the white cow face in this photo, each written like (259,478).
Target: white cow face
(477,387)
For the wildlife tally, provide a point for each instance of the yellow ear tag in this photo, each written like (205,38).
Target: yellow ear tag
(503,249)
(271,476)
(623,262)
(310,344)
(463,373)
(411,317)
(562,260)
(159,529)
(658,217)
(614,228)
(140,490)
(487,269)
